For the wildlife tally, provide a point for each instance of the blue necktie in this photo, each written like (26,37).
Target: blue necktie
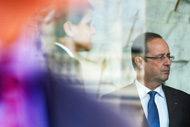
(153,117)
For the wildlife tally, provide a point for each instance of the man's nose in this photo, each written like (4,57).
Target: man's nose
(167,61)
(93,31)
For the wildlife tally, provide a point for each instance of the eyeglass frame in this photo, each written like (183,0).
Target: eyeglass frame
(162,57)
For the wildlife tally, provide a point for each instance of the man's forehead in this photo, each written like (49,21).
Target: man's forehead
(158,45)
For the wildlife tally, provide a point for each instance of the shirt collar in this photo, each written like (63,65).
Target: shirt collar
(65,48)
(142,90)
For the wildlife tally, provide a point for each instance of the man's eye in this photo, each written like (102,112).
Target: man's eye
(162,57)
(89,23)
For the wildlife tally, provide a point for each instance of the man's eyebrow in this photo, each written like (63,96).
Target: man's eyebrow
(162,54)
(168,53)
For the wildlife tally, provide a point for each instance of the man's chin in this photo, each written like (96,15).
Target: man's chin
(86,46)
(165,78)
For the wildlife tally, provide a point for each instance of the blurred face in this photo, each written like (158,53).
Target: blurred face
(83,32)
(157,70)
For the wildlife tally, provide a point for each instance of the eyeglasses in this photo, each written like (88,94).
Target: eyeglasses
(162,58)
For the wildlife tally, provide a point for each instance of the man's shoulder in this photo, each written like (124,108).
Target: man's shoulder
(126,91)
(171,90)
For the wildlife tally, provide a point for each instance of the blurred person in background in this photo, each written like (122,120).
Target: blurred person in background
(71,32)
(30,95)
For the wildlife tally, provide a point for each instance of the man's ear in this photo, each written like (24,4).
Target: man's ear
(139,62)
(67,26)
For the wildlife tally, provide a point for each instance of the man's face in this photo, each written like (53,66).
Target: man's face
(156,70)
(83,32)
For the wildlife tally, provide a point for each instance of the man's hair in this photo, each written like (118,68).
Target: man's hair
(139,46)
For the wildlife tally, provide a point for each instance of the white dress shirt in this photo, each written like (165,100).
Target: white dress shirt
(160,101)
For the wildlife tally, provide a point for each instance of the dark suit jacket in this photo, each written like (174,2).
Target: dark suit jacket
(127,103)
(69,107)
(60,63)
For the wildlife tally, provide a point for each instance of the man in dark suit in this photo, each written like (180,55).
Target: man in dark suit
(147,101)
